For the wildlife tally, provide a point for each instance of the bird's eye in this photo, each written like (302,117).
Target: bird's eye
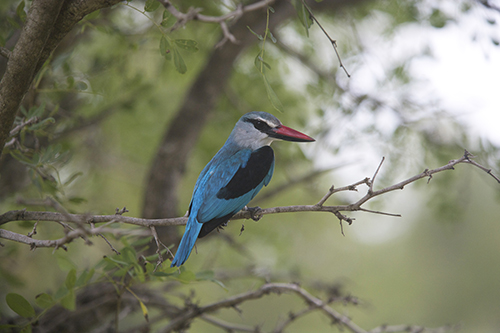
(261,125)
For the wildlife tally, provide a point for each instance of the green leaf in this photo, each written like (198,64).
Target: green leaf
(77,200)
(438,19)
(303,15)
(41,124)
(143,307)
(151,5)
(179,63)
(26,329)
(4,327)
(44,300)
(165,48)
(70,80)
(209,276)
(72,178)
(71,279)
(272,36)
(80,85)
(258,62)
(61,292)
(122,271)
(20,11)
(273,98)
(36,111)
(142,241)
(117,263)
(84,278)
(69,301)
(20,305)
(205,275)
(168,19)
(13,23)
(93,15)
(186,277)
(20,157)
(166,271)
(144,310)
(256,34)
(129,255)
(187,44)
(219,283)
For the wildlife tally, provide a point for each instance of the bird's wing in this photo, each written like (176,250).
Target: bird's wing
(231,183)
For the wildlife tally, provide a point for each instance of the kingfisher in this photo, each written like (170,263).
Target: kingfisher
(234,176)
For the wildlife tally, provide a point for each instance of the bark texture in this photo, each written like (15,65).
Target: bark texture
(46,25)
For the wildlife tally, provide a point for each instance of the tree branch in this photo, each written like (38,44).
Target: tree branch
(23,61)
(191,312)
(277,288)
(332,41)
(229,327)
(5,52)
(194,14)
(82,219)
(70,236)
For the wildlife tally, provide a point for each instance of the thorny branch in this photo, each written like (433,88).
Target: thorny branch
(82,220)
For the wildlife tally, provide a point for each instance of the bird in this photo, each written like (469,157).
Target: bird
(234,176)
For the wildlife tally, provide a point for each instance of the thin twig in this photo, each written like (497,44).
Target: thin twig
(194,14)
(292,317)
(158,251)
(33,231)
(333,190)
(5,52)
(333,41)
(372,182)
(23,124)
(277,288)
(229,327)
(413,329)
(110,245)
(379,212)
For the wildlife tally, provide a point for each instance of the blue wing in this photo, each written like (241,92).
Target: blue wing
(230,185)
(224,187)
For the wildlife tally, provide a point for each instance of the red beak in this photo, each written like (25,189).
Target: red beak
(289,134)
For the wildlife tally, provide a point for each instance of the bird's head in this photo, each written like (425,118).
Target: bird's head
(256,129)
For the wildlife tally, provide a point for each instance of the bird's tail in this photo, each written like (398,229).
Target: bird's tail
(193,228)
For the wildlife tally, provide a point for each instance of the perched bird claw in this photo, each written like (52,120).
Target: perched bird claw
(255,212)
(221,227)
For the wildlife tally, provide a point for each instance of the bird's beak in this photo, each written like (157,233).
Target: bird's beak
(289,134)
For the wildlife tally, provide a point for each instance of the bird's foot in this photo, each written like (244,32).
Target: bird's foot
(221,226)
(255,212)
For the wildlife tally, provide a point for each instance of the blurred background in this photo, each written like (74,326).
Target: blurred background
(423,86)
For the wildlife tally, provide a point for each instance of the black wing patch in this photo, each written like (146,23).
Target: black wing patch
(249,177)
(212,224)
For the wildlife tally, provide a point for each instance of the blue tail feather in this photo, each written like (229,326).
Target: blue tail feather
(193,228)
